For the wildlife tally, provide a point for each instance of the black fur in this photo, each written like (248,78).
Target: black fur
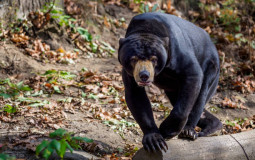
(187,69)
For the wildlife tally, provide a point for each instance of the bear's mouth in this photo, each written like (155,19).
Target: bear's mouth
(143,84)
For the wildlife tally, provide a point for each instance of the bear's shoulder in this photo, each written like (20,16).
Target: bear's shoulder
(148,23)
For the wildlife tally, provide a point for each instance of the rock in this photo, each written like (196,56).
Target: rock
(100,9)
(76,155)
(55,36)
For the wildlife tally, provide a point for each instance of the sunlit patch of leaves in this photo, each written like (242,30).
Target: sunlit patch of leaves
(42,52)
(56,81)
(244,84)
(100,86)
(98,49)
(32,102)
(161,108)
(130,150)
(238,103)
(156,95)
(238,125)
(143,6)
(114,156)
(16,102)
(20,39)
(38,112)
(62,140)
(119,125)
(112,23)
(214,109)
(54,75)
(105,90)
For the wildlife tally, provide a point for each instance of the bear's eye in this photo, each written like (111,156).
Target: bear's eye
(133,60)
(154,60)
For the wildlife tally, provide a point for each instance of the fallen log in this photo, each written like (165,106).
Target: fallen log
(240,146)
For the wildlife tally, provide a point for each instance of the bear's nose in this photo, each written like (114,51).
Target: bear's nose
(144,75)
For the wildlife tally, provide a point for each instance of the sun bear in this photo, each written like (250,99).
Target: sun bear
(180,58)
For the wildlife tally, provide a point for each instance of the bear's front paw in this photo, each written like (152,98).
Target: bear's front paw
(188,133)
(153,142)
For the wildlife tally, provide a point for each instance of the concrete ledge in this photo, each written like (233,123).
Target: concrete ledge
(240,146)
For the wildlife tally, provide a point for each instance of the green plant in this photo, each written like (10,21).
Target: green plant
(84,33)
(66,20)
(227,15)
(62,140)
(53,75)
(70,23)
(59,14)
(229,123)
(1,30)
(131,152)
(56,78)
(92,96)
(67,100)
(12,90)
(6,157)
(31,102)
(144,7)
(240,121)
(9,109)
(138,1)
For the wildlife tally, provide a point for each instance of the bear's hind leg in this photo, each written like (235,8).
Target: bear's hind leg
(189,130)
(208,124)
(209,87)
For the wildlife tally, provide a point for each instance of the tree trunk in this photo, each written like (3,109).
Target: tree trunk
(20,8)
(238,146)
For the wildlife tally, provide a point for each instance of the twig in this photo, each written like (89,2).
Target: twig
(45,14)
(7,132)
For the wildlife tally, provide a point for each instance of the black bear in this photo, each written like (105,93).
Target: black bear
(178,57)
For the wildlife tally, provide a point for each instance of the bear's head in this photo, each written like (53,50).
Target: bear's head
(143,56)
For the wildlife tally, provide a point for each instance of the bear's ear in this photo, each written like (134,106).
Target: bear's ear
(121,41)
(165,41)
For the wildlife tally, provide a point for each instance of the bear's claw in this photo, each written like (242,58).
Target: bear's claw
(153,142)
(189,134)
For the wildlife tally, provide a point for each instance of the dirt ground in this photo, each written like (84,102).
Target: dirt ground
(18,65)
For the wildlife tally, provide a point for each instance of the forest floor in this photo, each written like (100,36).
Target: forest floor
(86,96)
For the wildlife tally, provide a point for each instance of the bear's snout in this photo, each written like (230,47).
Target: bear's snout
(144,75)
(144,72)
